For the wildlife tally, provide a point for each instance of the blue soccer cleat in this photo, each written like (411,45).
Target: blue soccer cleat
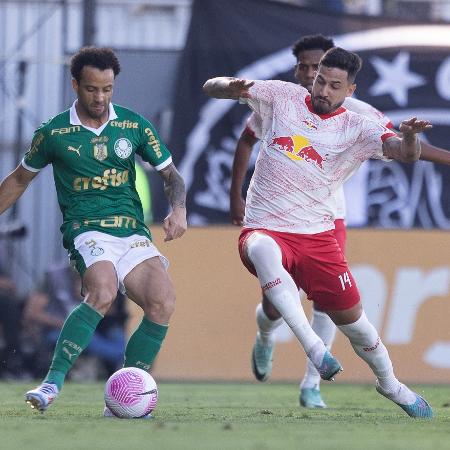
(311,398)
(329,367)
(42,397)
(419,409)
(262,360)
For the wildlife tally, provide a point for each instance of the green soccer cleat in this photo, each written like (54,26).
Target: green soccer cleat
(42,397)
(262,360)
(420,409)
(311,398)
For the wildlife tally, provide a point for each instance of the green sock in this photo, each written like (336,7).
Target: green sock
(144,344)
(75,336)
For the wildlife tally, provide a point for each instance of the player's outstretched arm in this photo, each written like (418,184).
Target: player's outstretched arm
(175,223)
(228,87)
(239,170)
(434,154)
(14,185)
(407,148)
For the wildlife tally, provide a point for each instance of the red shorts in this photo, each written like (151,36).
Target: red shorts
(316,264)
(340,233)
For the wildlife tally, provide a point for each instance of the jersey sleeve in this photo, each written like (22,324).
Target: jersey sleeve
(40,153)
(152,149)
(264,93)
(253,126)
(371,138)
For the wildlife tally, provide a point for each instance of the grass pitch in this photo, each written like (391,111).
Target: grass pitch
(220,416)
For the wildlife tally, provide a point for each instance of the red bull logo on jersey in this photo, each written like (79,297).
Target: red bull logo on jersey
(297,148)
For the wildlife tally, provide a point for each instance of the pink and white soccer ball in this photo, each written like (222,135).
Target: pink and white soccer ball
(131,393)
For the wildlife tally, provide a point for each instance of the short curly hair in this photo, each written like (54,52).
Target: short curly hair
(99,57)
(312,42)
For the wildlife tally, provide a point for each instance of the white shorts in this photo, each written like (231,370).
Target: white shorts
(124,252)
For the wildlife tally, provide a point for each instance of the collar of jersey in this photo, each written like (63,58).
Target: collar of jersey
(308,102)
(75,120)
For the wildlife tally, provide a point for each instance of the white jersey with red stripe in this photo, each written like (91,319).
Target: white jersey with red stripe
(304,158)
(254,127)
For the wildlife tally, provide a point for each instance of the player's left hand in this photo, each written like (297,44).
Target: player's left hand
(175,224)
(414,125)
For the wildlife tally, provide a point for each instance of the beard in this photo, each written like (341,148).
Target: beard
(97,111)
(323,106)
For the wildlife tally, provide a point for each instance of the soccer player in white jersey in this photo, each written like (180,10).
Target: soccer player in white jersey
(307,51)
(310,145)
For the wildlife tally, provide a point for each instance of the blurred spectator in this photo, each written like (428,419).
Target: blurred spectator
(46,311)
(11,360)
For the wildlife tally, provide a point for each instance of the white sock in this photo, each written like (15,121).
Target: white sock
(367,344)
(280,289)
(326,330)
(266,326)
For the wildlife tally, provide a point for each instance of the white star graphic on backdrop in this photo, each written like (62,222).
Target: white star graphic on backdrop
(395,78)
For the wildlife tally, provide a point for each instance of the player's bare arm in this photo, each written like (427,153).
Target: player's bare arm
(175,223)
(14,185)
(407,148)
(228,87)
(240,166)
(434,154)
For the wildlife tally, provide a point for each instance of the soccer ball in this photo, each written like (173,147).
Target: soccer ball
(131,393)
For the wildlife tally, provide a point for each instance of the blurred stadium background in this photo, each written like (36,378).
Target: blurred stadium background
(398,215)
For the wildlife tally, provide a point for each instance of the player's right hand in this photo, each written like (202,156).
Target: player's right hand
(239,87)
(237,209)
(414,126)
(175,224)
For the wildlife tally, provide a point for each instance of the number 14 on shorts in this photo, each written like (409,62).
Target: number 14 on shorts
(345,279)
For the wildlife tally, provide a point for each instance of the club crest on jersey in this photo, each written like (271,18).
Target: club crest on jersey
(123,148)
(309,124)
(100,151)
(100,147)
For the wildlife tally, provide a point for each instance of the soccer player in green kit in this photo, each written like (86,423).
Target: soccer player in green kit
(92,148)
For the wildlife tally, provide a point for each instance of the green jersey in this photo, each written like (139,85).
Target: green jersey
(94,170)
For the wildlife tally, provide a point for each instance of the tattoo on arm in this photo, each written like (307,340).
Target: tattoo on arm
(174,186)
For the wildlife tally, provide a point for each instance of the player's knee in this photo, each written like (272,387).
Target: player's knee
(101,298)
(361,333)
(161,309)
(262,250)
